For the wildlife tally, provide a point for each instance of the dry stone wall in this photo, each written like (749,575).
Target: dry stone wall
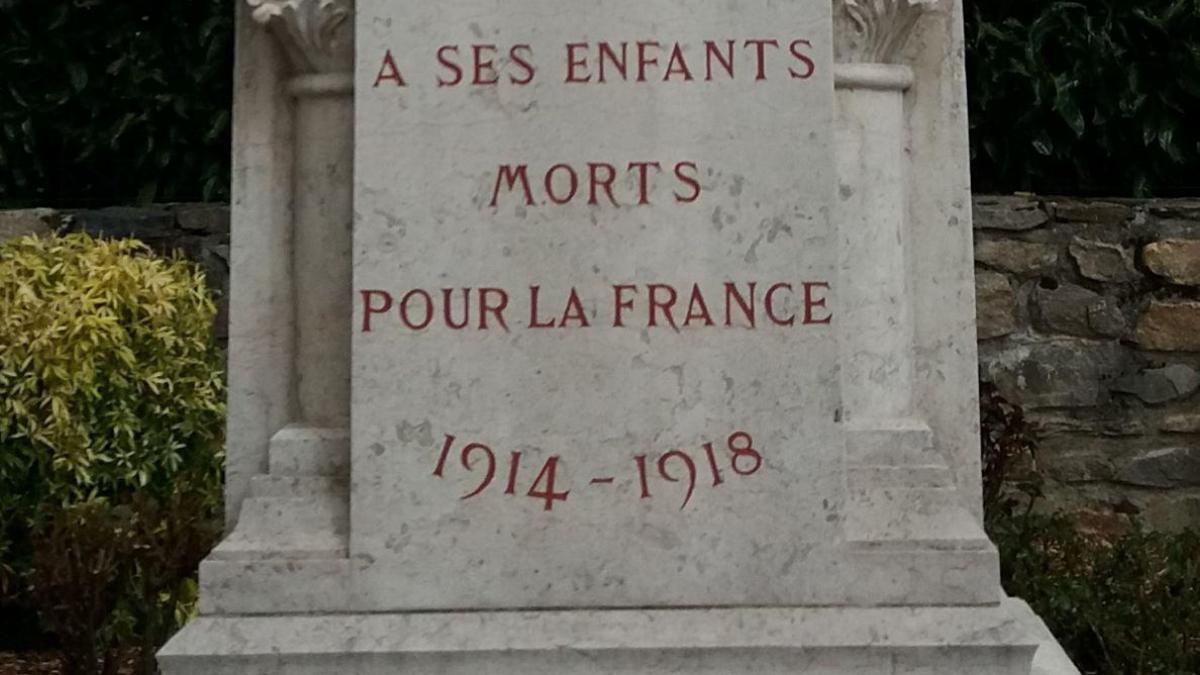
(1089,317)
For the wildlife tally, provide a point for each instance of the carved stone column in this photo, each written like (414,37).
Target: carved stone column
(902,499)
(318,38)
(871,143)
(299,509)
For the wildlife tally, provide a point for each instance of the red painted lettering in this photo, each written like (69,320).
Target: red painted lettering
(443,57)
(534,292)
(812,302)
(508,175)
(572,183)
(389,71)
(523,62)
(645,60)
(404,309)
(619,64)
(732,295)
(666,305)
(622,304)
(760,52)
(691,179)
(712,52)
(769,306)
(809,66)
(643,169)
(677,65)
(496,310)
(698,309)
(606,182)
(370,309)
(447,308)
(576,64)
(574,312)
(485,65)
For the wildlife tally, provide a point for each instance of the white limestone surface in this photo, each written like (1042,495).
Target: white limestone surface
(825,641)
(696,458)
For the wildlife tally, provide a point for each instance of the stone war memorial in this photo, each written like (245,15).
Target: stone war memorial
(603,337)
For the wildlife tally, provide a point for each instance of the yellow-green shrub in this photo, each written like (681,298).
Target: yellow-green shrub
(110,381)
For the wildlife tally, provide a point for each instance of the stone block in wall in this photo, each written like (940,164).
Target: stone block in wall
(1077,467)
(1017,257)
(1091,423)
(205,219)
(1068,309)
(996,305)
(1160,385)
(1162,468)
(1186,423)
(1010,214)
(1184,209)
(1170,326)
(1102,261)
(154,225)
(1176,260)
(1171,512)
(1055,374)
(1090,211)
(24,222)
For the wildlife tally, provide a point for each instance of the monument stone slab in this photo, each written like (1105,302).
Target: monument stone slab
(603,337)
(584,245)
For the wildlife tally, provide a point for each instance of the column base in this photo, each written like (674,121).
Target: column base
(1002,639)
(300,510)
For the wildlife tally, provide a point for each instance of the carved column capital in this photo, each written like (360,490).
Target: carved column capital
(317,35)
(874,31)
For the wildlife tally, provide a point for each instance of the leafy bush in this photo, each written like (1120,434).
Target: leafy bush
(111,394)
(1086,97)
(76,583)
(1120,607)
(114,101)
(106,577)
(1127,606)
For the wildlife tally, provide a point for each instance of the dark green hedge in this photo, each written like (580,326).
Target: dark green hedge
(120,101)
(114,101)
(1096,97)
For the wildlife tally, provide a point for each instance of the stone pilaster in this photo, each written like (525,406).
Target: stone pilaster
(874,31)
(317,35)
(298,510)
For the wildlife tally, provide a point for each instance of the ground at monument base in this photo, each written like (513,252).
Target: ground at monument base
(1007,639)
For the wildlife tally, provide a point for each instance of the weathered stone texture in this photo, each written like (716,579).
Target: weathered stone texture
(1097,212)
(1186,423)
(1101,261)
(1172,511)
(1170,326)
(1078,467)
(1012,214)
(1177,260)
(1160,385)
(1017,257)
(1101,348)
(1059,374)
(25,222)
(1074,310)
(996,305)
(1163,468)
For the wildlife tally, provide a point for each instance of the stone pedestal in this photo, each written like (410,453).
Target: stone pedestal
(648,372)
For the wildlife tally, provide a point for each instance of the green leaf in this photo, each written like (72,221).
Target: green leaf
(79,76)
